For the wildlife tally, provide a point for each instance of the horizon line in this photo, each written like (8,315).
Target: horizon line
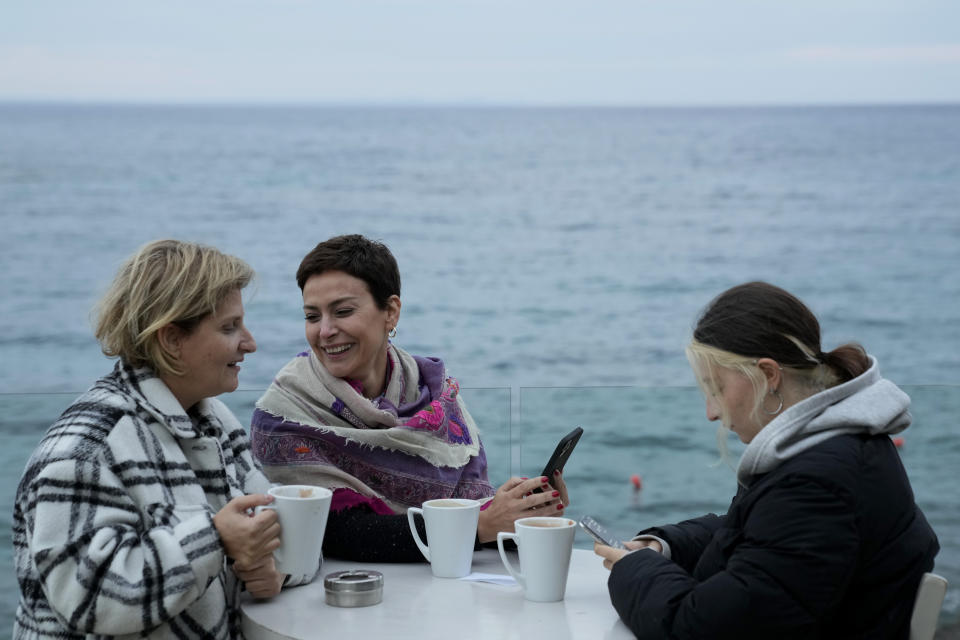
(464,104)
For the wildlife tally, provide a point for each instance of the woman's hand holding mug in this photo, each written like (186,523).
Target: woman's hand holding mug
(263,580)
(248,539)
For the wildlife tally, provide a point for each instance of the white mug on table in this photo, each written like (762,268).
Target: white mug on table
(544,545)
(302,512)
(451,532)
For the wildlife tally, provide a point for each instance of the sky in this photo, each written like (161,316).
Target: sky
(564,52)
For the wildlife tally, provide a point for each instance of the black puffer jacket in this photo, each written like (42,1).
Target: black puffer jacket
(830,544)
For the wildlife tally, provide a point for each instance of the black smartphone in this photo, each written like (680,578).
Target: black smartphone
(599,533)
(560,455)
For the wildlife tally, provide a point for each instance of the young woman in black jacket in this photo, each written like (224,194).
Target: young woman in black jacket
(823,538)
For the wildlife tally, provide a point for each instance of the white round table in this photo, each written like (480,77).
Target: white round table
(417,606)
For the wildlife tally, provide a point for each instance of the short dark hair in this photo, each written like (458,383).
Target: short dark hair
(368,260)
(760,320)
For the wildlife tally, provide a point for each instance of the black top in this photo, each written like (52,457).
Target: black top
(828,545)
(362,535)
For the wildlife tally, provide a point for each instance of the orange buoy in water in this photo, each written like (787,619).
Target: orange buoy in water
(636,482)
(897,442)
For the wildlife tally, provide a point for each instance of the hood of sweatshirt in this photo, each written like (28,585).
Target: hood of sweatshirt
(867,404)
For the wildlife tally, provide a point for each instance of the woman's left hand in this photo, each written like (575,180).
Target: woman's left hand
(263,580)
(611,556)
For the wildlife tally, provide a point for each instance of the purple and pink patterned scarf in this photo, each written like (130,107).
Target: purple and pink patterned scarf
(416,442)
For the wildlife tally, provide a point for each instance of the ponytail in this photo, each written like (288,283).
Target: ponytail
(848,361)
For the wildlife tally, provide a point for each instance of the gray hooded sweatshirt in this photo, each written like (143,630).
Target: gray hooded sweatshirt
(867,404)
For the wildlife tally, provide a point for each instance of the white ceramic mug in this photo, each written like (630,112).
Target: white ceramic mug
(451,530)
(545,545)
(302,512)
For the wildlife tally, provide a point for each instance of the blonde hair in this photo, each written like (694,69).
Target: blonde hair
(165,282)
(705,360)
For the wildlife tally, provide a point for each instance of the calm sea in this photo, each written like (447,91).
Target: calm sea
(555,258)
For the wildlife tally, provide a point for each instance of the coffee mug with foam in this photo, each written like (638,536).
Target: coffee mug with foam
(302,512)
(544,545)
(451,531)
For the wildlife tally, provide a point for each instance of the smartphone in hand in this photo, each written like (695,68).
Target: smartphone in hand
(560,454)
(599,533)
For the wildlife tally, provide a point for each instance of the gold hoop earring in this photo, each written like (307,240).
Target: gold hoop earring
(779,406)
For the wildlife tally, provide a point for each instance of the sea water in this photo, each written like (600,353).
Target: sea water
(556,259)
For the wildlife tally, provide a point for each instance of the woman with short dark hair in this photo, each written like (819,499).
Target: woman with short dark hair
(385,430)
(823,538)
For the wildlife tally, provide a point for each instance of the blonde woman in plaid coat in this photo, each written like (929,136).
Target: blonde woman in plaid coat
(133,515)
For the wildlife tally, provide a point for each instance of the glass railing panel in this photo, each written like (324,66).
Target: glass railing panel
(490,409)
(931,456)
(24,419)
(662,435)
(659,434)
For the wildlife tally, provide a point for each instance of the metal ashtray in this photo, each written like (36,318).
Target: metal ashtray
(356,588)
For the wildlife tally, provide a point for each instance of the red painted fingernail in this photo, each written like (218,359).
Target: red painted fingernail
(557,472)
(524,478)
(544,479)
(559,506)
(555,494)
(529,493)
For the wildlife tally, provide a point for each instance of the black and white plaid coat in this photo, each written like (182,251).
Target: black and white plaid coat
(113,531)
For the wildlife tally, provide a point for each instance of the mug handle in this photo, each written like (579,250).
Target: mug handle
(501,536)
(424,549)
(257,509)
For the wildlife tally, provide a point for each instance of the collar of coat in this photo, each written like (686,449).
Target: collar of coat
(150,393)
